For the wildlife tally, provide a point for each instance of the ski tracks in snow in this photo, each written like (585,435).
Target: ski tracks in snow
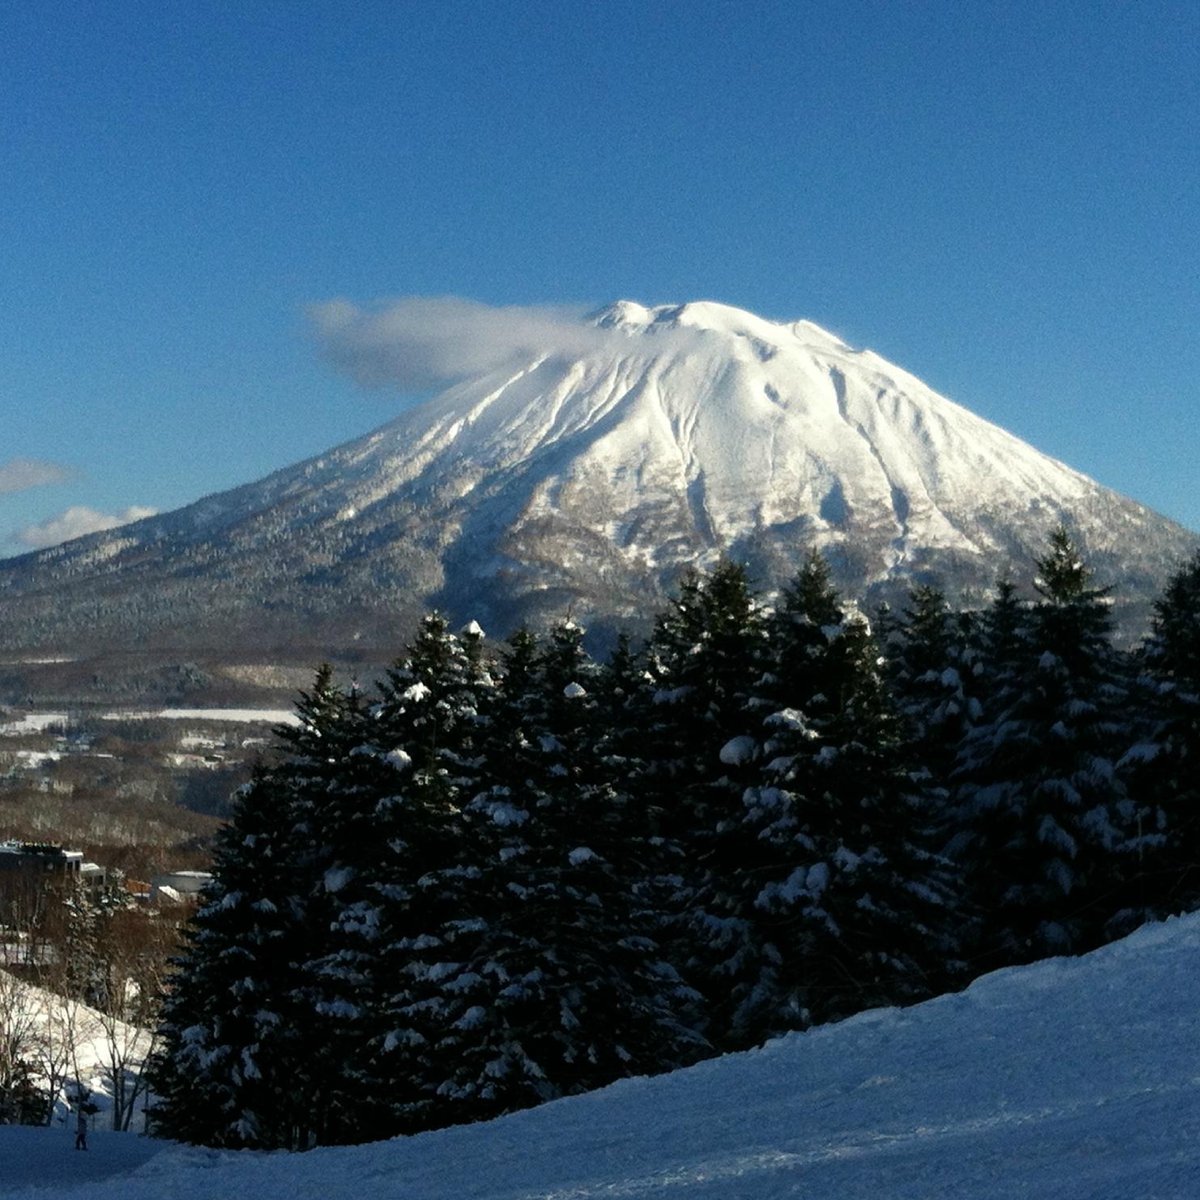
(917,1155)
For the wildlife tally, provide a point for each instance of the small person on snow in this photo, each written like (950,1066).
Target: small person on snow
(81,1130)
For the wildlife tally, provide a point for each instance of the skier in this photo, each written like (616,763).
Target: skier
(81,1129)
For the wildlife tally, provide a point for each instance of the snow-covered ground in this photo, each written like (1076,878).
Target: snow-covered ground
(86,1047)
(34,723)
(266,716)
(42,722)
(1074,1079)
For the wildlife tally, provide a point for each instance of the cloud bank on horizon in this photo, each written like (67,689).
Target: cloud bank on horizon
(24,474)
(76,521)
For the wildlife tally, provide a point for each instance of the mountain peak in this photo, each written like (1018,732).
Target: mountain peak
(588,480)
(710,316)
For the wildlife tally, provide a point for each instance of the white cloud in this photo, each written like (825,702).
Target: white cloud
(76,521)
(20,474)
(416,342)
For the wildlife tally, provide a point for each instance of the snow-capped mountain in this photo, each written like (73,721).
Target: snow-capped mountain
(589,478)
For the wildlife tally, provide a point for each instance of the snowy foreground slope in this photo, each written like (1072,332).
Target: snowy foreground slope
(1075,1078)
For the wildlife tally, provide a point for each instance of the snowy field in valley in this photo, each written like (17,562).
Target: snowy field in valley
(1077,1079)
(268,716)
(54,722)
(34,723)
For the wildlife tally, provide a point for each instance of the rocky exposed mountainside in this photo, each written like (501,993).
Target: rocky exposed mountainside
(588,480)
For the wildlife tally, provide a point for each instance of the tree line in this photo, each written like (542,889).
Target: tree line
(505,877)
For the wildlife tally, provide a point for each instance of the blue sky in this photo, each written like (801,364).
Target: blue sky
(1001,198)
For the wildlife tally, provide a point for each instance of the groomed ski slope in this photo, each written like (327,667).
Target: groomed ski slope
(1077,1079)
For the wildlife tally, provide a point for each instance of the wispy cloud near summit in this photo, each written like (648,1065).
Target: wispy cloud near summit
(419,342)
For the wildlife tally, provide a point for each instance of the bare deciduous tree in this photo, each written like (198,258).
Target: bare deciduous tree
(133,949)
(18,1043)
(64,1024)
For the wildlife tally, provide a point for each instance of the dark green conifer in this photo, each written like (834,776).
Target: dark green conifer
(1044,813)
(236,1066)
(704,660)
(1163,766)
(566,990)
(848,896)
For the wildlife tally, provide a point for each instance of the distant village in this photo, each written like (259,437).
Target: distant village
(49,859)
(121,807)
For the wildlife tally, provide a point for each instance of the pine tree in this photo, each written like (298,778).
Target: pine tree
(703,662)
(848,898)
(565,992)
(392,842)
(704,656)
(1045,816)
(1162,765)
(236,1066)
(931,670)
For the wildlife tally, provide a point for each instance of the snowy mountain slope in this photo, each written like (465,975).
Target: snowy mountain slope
(1077,1079)
(590,477)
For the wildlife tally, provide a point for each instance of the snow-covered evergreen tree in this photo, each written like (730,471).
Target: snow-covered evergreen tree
(849,900)
(565,991)
(237,1064)
(1045,818)
(704,660)
(1163,767)
(393,846)
(931,671)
